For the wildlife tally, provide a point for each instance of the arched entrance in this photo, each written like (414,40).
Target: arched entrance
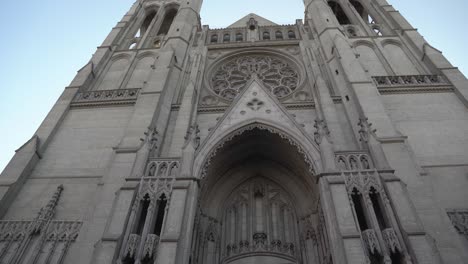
(259,203)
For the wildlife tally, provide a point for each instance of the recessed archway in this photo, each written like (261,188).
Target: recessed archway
(258,198)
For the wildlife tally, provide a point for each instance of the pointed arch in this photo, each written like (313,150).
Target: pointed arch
(304,146)
(169,16)
(339,13)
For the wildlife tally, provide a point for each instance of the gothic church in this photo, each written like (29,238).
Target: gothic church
(341,138)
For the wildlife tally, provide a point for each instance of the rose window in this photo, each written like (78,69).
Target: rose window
(278,75)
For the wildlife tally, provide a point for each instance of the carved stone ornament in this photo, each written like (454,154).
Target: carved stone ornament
(277,74)
(193,134)
(150,247)
(132,246)
(391,240)
(371,241)
(17,237)
(321,131)
(366,130)
(364,182)
(460,220)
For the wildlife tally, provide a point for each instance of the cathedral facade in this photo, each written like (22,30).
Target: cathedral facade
(342,138)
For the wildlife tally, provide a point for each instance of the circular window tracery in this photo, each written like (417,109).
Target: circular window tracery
(277,74)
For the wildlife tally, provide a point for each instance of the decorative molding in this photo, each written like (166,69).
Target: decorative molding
(353,161)
(391,240)
(366,130)
(459,220)
(370,240)
(165,168)
(321,131)
(222,109)
(106,97)
(408,84)
(38,238)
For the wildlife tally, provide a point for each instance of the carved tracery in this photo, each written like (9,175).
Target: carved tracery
(277,74)
(259,217)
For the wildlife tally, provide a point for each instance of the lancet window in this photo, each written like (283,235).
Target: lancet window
(339,13)
(167,22)
(146,23)
(374,217)
(148,214)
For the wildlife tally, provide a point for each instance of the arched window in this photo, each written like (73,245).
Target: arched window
(239,37)
(291,34)
(377,30)
(339,13)
(266,35)
(279,35)
(227,37)
(360,210)
(359,8)
(351,32)
(214,38)
(146,23)
(168,19)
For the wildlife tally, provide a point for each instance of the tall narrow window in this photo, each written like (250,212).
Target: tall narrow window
(359,8)
(379,209)
(143,214)
(168,19)
(360,211)
(158,225)
(339,13)
(146,23)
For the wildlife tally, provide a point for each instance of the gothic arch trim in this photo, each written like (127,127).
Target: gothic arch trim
(391,42)
(145,55)
(364,43)
(209,149)
(150,7)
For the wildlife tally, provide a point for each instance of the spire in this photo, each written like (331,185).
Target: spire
(47,213)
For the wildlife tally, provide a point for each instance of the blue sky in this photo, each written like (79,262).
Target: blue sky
(45,42)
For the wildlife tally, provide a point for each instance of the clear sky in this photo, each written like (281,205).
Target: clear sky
(45,42)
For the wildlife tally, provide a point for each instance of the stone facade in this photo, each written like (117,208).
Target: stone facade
(342,138)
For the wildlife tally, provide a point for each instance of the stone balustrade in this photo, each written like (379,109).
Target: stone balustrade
(120,96)
(353,161)
(265,33)
(370,240)
(412,84)
(150,247)
(410,80)
(391,240)
(162,168)
(132,246)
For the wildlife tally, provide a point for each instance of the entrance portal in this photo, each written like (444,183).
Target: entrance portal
(258,204)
